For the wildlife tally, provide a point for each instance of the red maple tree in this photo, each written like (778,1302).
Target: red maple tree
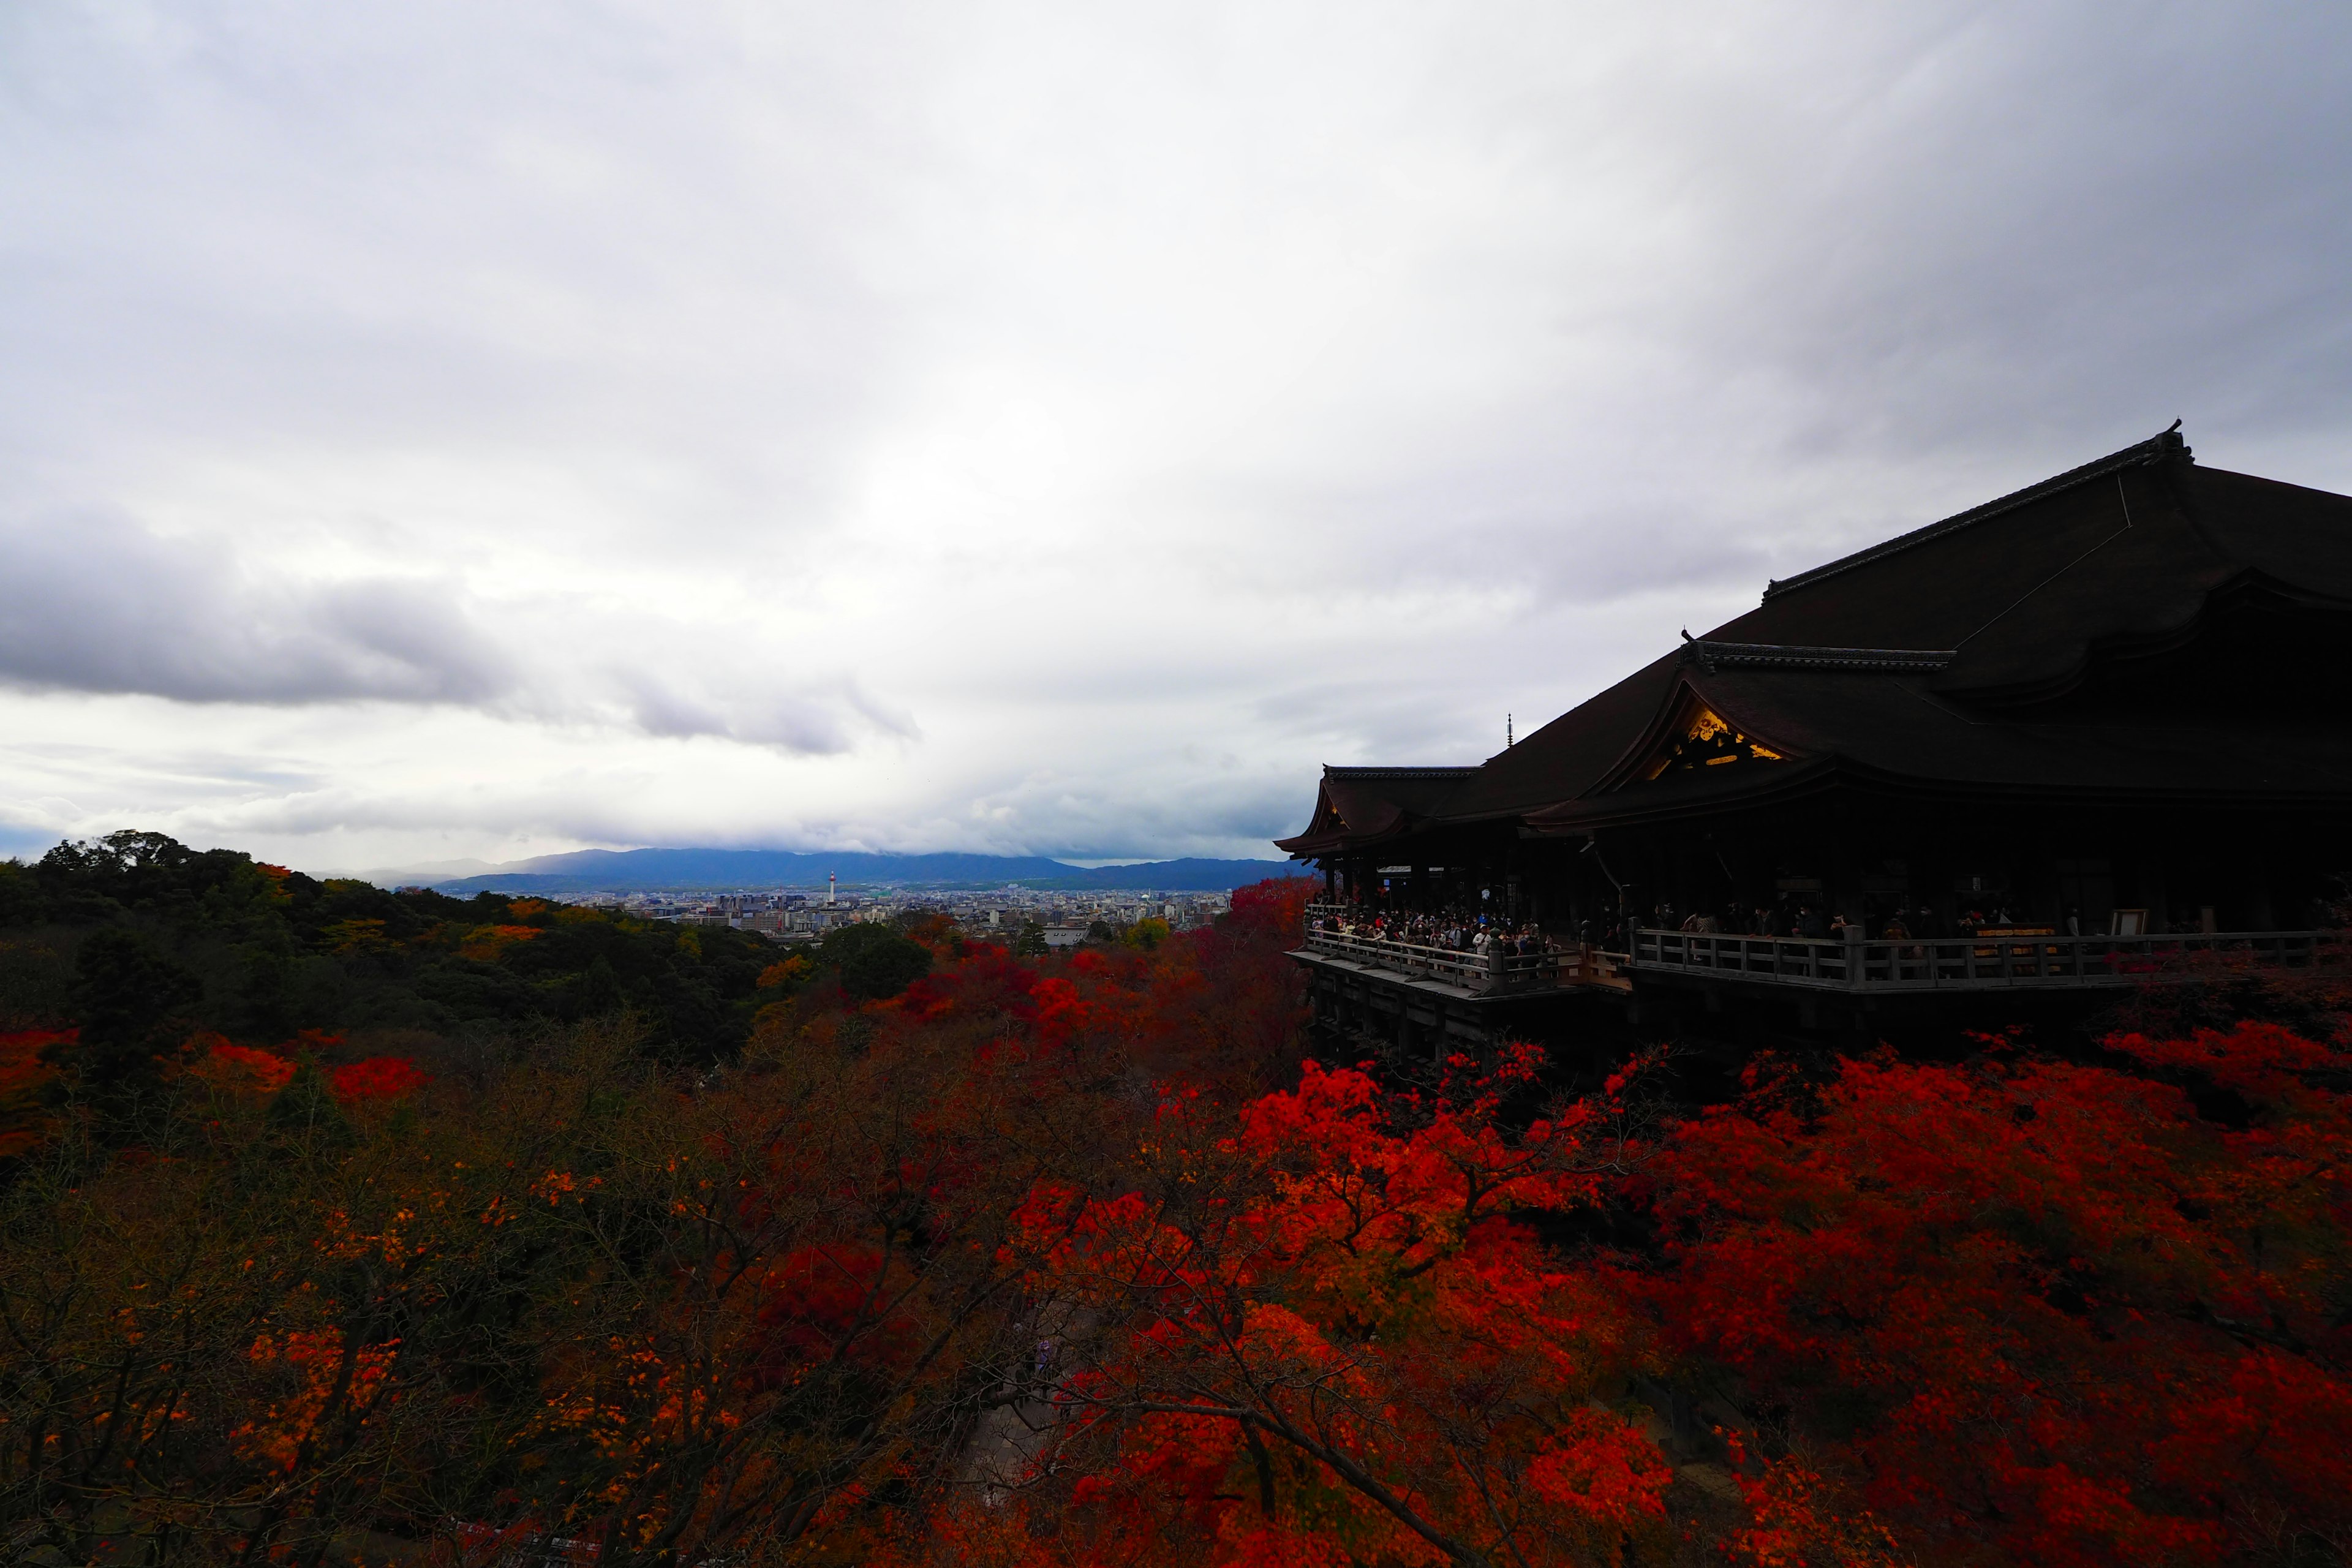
(2040,1311)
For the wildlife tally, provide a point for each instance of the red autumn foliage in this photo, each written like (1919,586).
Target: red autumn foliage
(1796,1522)
(1276,906)
(2052,1312)
(378,1077)
(2019,1311)
(1070,1261)
(242,1069)
(1325,1325)
(246,1070)
(27,1067)
(819,1302)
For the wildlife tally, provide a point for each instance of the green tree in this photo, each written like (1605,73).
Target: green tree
(875,963)
(127,997)
(20,895)
(600,989)
(263,995)
(1031,941)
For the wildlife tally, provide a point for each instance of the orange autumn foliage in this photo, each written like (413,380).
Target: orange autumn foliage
(786,972)
(328,1378)
(484,943)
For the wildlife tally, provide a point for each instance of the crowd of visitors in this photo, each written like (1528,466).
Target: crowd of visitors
(1800,917)
(1793,916)
(1458,932)
(1449,932)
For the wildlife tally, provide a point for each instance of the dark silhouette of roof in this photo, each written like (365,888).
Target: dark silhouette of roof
(2139,627)
(1367,805)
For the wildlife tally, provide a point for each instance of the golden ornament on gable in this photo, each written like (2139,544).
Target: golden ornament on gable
(1707,740)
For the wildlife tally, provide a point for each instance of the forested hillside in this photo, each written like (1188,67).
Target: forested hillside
(211,940)
(342,1227)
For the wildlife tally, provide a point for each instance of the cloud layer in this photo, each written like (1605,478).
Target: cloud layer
(93,604)
(443,431)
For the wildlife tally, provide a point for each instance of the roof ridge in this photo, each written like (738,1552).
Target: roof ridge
(1433,771)
(2155,448)
(1712,656)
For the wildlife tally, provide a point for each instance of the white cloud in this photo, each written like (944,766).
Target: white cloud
(445,431)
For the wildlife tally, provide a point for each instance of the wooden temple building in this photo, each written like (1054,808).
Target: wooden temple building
(2063,740)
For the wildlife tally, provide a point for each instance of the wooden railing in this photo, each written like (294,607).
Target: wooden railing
(1981,963)
(1487,974)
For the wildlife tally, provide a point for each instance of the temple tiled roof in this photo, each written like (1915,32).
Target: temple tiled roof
(2140,628)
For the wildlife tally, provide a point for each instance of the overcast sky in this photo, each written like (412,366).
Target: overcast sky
(443,430)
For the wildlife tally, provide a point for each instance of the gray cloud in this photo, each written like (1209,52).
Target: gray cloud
(91,602)
(826,719)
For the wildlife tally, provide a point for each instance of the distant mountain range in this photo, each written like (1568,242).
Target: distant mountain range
(660,870)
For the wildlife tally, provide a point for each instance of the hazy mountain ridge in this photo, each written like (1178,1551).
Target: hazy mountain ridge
(650,870)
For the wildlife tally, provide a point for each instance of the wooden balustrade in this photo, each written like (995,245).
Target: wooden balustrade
(1980,962)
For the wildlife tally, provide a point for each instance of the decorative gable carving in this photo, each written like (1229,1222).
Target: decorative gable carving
(1702,738)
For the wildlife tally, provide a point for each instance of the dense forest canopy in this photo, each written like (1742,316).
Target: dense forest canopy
(346,1226)
(271,952)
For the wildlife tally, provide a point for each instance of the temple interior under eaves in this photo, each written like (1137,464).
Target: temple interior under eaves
(2082,736)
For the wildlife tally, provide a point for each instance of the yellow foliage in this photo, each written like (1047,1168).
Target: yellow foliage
(356,936)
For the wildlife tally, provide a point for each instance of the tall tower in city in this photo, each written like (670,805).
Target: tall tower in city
(831,892)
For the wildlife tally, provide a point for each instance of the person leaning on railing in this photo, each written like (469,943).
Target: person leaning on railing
(1895,931)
